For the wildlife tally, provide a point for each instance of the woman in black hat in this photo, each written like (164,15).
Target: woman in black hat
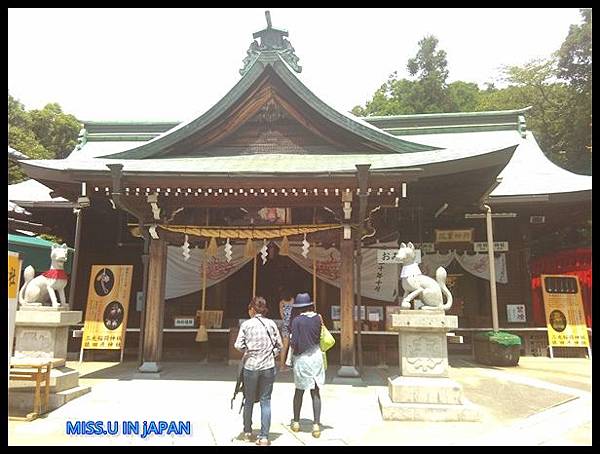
(308,366)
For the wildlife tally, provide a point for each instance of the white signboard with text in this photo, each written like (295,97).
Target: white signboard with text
(389,256)
(515,313)
(482,246)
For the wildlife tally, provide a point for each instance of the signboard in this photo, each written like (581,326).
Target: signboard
(482,246)
(428,248)
(107,305)
(565,317)
(389,256)
(515,313)
(184,322)
(454,236)
(14,278)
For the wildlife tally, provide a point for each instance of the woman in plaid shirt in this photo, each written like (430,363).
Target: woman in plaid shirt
(260,342)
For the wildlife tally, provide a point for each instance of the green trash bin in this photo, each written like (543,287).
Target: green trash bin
(497,348)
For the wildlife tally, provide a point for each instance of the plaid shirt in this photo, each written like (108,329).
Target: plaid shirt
(254,341)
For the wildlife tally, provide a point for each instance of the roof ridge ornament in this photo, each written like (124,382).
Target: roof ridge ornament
(271,39)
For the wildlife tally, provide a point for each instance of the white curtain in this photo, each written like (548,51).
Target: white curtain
(431,262)
(184,277)
(378,281)
(476,264)
(479,265)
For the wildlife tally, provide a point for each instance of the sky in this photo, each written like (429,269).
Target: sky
(174,64)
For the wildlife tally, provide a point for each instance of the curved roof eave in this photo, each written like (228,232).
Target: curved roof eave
(531,173)
(371,133)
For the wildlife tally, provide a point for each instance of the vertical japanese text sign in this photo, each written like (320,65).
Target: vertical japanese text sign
(565,316)
(14,277)
(107,306)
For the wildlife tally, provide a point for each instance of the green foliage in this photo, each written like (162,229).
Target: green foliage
(500,337)
(53,238)
(557,88)
(40,134)
(575,55)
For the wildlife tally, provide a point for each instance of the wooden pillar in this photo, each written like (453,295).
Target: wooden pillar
(322,292)
(155,304)
(347,354)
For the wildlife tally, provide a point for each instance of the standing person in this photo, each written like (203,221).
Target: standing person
(309,370)
(285,310)
(260,342)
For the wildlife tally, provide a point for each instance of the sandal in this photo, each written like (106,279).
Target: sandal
(316,430)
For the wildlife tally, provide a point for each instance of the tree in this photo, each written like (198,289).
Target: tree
(575,55)
(575,67)
(428,93)
(40,134)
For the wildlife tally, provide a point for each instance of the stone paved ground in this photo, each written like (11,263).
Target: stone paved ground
(542,402)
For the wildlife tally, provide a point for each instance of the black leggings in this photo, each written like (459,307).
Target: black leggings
(316,401)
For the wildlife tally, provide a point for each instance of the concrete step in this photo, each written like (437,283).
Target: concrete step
(392,411)
(61,378)
(430,390)
(22,399)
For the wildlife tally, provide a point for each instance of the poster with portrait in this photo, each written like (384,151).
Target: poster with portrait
(107,306)
(565,317)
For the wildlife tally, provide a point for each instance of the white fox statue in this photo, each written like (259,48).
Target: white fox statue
(415,284)
(39,290)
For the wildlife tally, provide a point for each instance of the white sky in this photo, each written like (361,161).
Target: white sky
(174,64)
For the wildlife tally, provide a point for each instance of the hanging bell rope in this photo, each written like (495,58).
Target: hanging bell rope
(249,250)
(212,248)
(284,249)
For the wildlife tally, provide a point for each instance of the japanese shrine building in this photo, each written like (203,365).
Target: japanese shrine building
(271,163)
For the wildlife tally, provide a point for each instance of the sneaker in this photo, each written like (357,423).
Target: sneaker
(316,430)
(263,442)
(248,436)
(295,426)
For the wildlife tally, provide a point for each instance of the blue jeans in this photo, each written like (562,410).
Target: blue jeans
(258,383)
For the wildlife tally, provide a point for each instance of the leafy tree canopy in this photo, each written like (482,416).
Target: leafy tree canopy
(558,88)
(48,133)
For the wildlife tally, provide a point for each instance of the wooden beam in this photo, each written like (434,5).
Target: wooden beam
(347,357)
(155,302)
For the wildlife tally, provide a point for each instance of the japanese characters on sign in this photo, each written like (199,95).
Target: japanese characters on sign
(385,256)
(565,317)
(454,236)
(107,307)
(515,313)
(482,246)
(187,322)
(14,274)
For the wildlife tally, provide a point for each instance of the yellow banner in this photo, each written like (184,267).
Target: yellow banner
(565,316)
(107,307)
(14,274)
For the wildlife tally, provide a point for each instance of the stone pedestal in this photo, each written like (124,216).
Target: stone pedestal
(43,332)
(41,336)
(423,391)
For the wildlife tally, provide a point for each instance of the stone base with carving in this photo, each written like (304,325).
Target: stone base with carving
(423,391)
(41,336)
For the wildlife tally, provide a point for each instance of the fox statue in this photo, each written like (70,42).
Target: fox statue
(38,290)
(415,284)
